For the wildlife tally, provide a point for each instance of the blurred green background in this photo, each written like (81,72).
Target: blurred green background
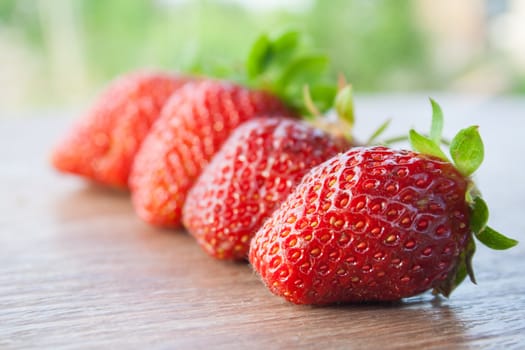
(61,52)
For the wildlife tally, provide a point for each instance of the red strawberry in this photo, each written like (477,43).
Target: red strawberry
(102,145)
(377,224)
(370,224)
(255,170)
(193,125)
(200,118)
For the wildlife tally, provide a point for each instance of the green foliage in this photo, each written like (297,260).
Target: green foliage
(518,84)
(304,70)
(479,215)
(24,17)
(323,95)
(116,33)
(344,105)
(284,65)
(436,128)
(258,57)
(423,144)
(7,9)
(366,40)
(495,240)
(371,41)
(122,35)
(467,150)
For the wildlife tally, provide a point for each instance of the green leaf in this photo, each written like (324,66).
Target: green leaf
(495,240)
(479,215)
(344,104)
(258,57)
(467,150)
(423,144)
(304,70)
(436,128)
(465,265)
(310,108)
(469,252)
(323,95)
(284,64)
(284,45)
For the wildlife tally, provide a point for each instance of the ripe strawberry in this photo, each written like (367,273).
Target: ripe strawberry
(377,224)
(199,119)
(255,170)
(102,145)
(193,125)
(370,224)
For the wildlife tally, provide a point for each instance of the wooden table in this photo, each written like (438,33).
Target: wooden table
(78,269)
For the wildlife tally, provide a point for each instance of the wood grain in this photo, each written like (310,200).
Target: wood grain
(79,270)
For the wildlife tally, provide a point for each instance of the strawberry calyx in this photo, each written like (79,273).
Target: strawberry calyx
(467,152)
(436,130)
(289,67)
(344,106)
(340,121)
(284,64)
(281,64)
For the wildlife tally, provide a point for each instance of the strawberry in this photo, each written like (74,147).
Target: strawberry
(258,166)
(378,224)
(102,145)
(200,117)
(193,125)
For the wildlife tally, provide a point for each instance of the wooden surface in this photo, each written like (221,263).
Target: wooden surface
(79,270)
